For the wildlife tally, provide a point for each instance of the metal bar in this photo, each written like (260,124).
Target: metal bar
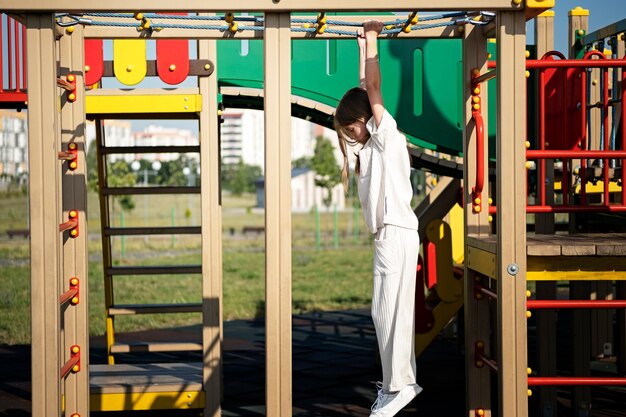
(584,137)
(485,77)
(69,365)
(154,270)
(575,63)
(149,190)
(72,6)
(570,304)
(70,224)
(562,154)
(542,134)
(121,310)
(18,73)
(9,53)
(605,32)
(68,295)
(536,381)
(23,59)
(2,55)
(484,290)
(488,361)
(169,230)
(110,150)
(576,209)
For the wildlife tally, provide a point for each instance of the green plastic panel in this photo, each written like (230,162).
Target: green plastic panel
(421,81)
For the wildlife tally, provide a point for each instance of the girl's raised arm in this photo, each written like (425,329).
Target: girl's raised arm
(372,29)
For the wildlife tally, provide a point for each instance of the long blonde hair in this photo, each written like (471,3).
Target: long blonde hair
(354,106)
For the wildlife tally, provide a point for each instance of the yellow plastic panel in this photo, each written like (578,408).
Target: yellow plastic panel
(133,401)
(539,4)
(579,11)
(482,261)
(128,104)
(129,61)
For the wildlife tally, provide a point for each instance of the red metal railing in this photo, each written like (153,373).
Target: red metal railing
(12,83)
(563,132)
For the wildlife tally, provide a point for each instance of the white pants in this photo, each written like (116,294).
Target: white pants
(393,303)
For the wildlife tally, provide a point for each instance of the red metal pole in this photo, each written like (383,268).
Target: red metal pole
(24,57)
(570,304)
(605,121)
(574,381)
(68,295)
(533,154)
(583,140)
(1,57)
(576,209)
(542,135)
(576,63)
(65,370)
(10,53)
(623,135)
(17,56)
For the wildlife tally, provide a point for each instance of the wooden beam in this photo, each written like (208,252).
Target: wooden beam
(212,328)
(511,215)
(45,216)
(277,52)
(253,5)
(74,197)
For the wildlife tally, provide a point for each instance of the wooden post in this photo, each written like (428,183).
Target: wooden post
(511,214)
(45,215)
(477,328)
(210,201)
(277,52)
(75,328)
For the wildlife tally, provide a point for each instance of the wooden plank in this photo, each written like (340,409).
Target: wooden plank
(142,347)
(511,214)
(45,216)
(253,5)
(154,270)
(211,203)
(74,197)
(150,190)
(147,377)
(477,323)
(167,230)
(132,309)
(277,73)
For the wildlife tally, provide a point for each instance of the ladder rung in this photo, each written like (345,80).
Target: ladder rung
(166,230)
(155,347)
(149,190)
(110,150)
(154,270)
(131,309)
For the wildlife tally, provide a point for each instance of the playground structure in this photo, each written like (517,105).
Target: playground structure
(499,258)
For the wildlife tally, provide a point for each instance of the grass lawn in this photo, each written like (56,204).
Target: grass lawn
(327,278)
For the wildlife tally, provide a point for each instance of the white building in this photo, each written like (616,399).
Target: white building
(120,133)
(116,133)
(13,145)
(243,137)
(305,195)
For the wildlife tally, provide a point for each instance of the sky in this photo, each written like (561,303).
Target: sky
(601,14)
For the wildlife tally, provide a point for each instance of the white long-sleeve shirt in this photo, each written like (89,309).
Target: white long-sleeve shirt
(384,184)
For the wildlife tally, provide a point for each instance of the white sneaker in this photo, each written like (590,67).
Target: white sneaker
(388,404)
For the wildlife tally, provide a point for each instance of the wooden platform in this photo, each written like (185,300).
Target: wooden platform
(146,386)
(584,256)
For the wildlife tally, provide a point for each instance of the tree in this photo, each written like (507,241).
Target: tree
(119,174)
(239,178)
(326,168)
